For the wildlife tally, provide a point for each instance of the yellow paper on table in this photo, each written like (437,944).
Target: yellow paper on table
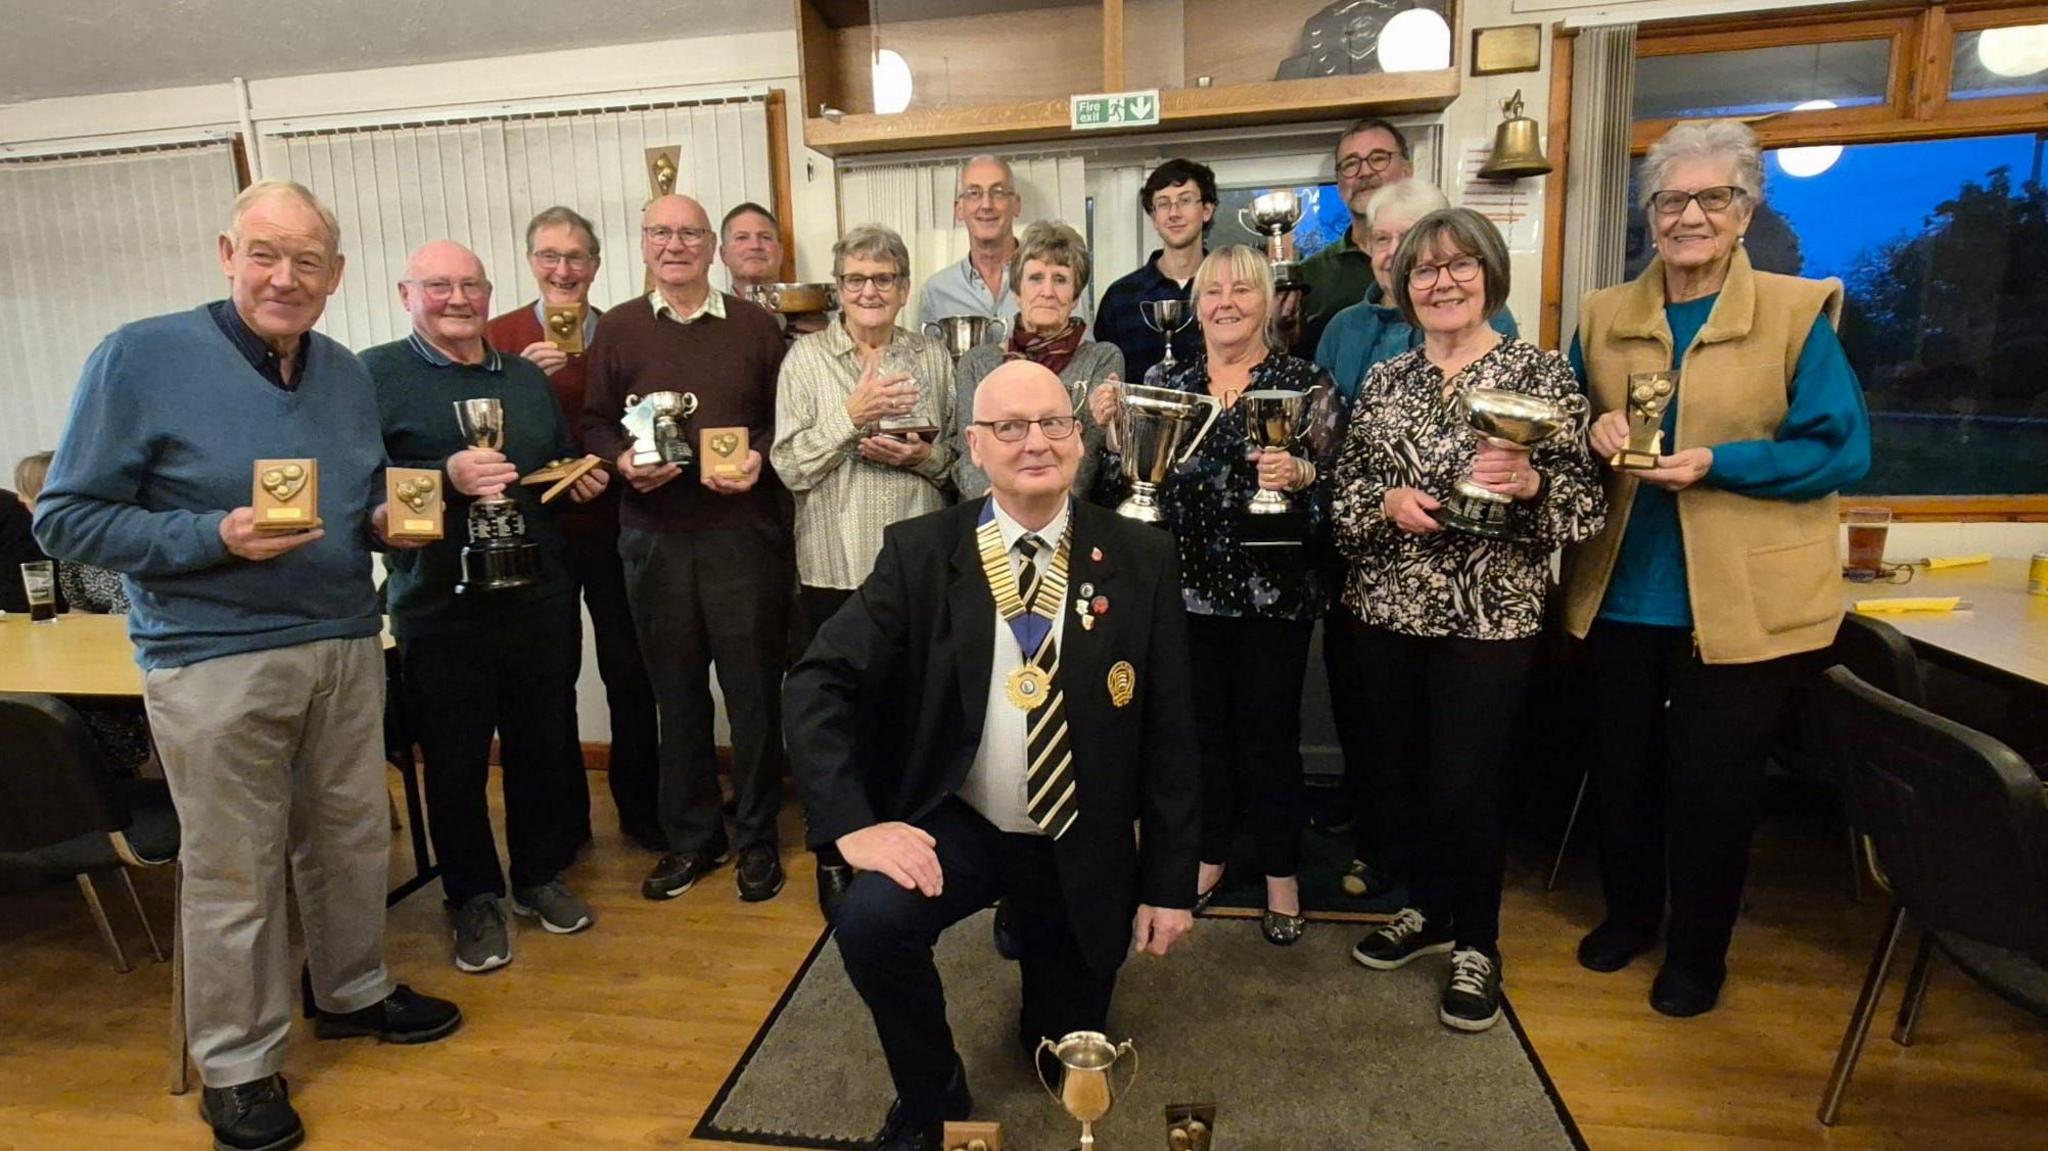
(1938,562)
(1909,603)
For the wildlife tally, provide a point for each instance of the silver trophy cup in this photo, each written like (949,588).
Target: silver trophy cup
(1155,431)
(498,555)
(960,334)
(1273,419)
(1274,215)
(1519,419)
(655,421)
(1167,317)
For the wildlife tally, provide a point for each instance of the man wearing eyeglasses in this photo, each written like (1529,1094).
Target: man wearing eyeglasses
(990,713)
(987,204)
(706,557)
(1179,197)
(563,255)
(1370,153)
(484,662)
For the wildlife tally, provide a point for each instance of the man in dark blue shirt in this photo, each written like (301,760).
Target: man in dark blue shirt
(1180,199)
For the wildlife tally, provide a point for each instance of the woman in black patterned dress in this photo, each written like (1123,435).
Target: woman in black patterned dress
(1250,609)
(1452,617)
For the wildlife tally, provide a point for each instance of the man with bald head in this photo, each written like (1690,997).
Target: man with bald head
(484,662)
(262,670)
(986,203)
(708,565)
(986,718)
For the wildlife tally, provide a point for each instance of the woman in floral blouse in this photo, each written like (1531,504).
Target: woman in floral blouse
(1250,609)
(1452,617)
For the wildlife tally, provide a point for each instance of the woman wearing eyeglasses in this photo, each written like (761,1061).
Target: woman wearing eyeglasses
(1048,274)
(1452,617)
(1718,570)
(1250,609)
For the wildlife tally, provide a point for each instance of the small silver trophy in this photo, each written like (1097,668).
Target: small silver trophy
(1273,419)
(655,421)
(1150,433)
(1167,317)
(1274,215)
(498,554)
(1519,419)
(962,334)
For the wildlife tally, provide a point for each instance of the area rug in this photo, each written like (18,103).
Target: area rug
(1299,1048)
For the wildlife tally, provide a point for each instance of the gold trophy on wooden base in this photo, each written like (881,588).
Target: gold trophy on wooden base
(286,497)
(1649,393)
(1087,1090)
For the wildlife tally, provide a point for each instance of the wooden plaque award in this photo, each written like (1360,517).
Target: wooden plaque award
(413,509)
(286,495)
(564,327)
(724,452)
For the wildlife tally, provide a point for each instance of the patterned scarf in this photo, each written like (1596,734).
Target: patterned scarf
(1055,351)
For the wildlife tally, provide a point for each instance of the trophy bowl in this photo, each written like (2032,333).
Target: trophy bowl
(960,334)
(1519,419)
(1151,434)
(1087,1089)
(1272,419)
(791,299)
(655,423)
(1167,317)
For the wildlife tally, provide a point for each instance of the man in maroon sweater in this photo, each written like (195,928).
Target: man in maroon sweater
(707,565)
(562,250)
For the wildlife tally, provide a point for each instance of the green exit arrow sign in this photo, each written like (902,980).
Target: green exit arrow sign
(1114,110)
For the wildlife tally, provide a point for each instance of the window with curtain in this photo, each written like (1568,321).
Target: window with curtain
(88,244)
(478,182)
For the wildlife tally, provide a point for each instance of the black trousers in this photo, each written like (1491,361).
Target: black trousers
(516,681)
(703,598)
(634,771)
(1446,710)
(1678,759)
(817,605)
(886,934)
(1370,789)
(1248,675)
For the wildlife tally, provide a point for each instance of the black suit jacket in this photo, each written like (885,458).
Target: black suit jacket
(884,712)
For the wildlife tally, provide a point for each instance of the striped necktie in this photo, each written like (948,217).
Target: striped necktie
(1050,797)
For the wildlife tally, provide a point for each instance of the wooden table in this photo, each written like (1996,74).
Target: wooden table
(2005,632)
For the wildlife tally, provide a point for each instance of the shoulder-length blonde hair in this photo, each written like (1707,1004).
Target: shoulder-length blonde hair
(1244,264)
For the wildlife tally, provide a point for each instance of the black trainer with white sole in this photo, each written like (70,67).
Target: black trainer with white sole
(1401,942)
(1471,999)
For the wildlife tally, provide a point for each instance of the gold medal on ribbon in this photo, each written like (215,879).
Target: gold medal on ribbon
(1027,686)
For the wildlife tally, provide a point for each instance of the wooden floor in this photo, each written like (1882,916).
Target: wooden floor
(619,1037)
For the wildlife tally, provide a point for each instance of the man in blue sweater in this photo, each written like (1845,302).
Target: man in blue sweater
(262,669)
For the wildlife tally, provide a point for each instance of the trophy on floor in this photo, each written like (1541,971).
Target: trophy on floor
(1190,1126)
(1274,215)
(498,555)
(1649,393)
(962,334)
(1087,1089)
(1151,434)
(655,421)
(1274,419)
(1167,317)
(286,496)
(1519,419)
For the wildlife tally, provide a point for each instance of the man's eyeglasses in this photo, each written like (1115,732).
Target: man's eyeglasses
(857,283)
(439,290)
(1374,161)
(574,261)
(691,237)
(1462,270)
(1672,202)
(1886,573)
(995,193)
(1189,202)
(1010,431)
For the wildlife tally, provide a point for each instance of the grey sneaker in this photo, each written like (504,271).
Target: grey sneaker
(559,909)
(482,940)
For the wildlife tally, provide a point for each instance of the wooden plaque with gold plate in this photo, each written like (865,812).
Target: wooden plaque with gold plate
(413,504)
(724,452)
(559,473)
(286,496)
(564,327)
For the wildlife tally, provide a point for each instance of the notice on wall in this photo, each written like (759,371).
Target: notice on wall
(1514,206)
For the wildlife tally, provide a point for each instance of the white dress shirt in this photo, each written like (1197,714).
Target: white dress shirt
(995,784)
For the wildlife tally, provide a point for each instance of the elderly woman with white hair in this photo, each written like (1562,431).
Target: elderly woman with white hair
(1717,575)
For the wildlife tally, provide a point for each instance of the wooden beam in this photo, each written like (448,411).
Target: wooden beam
(2032,509)
(778,172)
(1113,45)
(1556,186)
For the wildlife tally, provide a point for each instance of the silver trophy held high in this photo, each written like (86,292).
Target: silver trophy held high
(961,334)
(1151,432)
(1167,317)
(1519,419)
(655,421)
(1273,419)
(1087,1089)
(1274,215)
(498,555)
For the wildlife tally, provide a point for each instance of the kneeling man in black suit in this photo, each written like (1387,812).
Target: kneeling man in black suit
(989,716)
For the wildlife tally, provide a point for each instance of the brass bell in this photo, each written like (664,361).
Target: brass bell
(1517,146)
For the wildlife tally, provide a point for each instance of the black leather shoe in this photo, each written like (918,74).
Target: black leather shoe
(1281,929)
(759,873)
(1613,946)
(834,881)
(1683,994)
(404,1016)
(905,1130)
(1005,928)
(253,1116)
(678,872)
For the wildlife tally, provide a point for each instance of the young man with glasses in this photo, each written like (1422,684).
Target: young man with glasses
(1179,197)
(563,254)
(707,562)
(1370,153)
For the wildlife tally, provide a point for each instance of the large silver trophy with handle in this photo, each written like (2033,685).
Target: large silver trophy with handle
(961,334)
(1087,1090)
(498,555)
(655,421)
(1167,317)
(1151,432)
(1274,215)
(1519,419)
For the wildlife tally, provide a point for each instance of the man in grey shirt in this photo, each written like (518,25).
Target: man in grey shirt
(979,285)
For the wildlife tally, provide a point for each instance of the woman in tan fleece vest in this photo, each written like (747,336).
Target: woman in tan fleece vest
(1716,574)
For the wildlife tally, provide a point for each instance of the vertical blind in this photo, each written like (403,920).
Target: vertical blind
(479,182)
(86,245)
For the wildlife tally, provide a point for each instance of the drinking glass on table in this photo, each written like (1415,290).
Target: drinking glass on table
(39,580)
(1867,530)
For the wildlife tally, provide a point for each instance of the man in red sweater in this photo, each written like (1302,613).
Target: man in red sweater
(562,250)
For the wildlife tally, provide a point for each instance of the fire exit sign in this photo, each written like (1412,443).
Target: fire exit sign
(1115,110)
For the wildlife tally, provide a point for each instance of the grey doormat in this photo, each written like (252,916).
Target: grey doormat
(1300,1049)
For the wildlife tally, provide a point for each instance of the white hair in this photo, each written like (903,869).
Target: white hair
(1009,173)
(263,190)
(1411,198)
(1729,140)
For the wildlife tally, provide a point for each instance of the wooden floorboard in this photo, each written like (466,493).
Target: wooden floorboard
(621,1036)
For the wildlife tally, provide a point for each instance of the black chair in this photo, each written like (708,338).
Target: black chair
(1882,657)
(1954,825)
(64,814)
(399,745)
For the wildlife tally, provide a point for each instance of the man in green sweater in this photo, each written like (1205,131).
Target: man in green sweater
(484,661)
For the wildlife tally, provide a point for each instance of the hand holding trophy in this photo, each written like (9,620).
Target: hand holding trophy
(1649,394)
(1519,419)
(498,555)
